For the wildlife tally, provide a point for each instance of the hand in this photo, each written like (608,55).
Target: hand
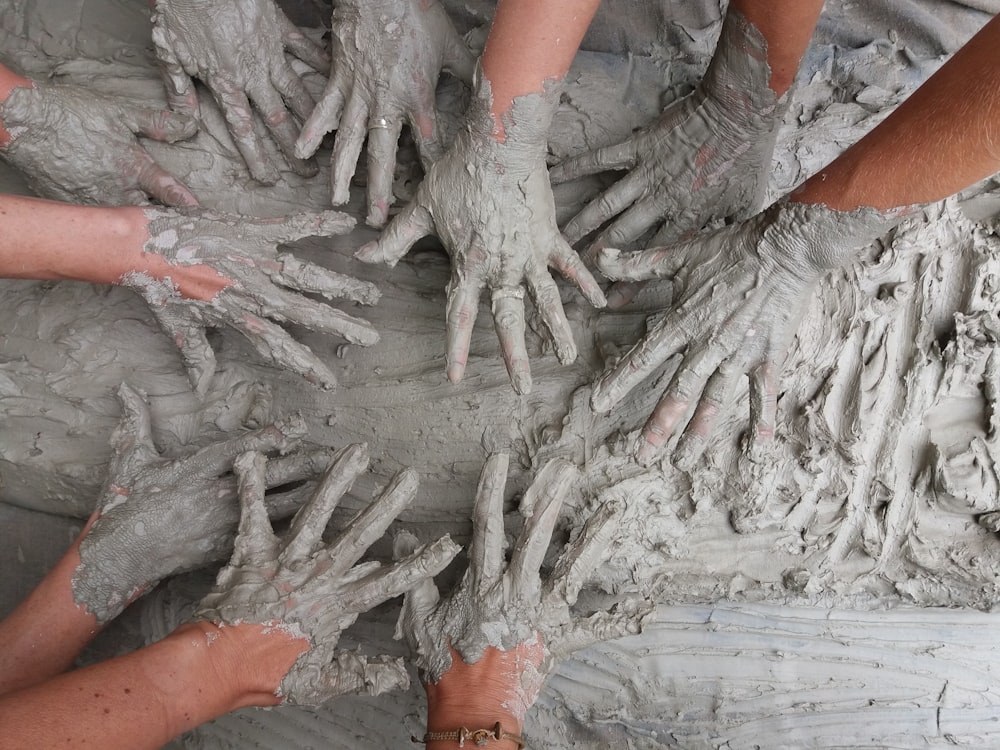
(237,49)
(225,270)
(157,517)
(491,205)
(706,158)
(313,590)
(739,294)
(507,608)
(387,57)
(80,146)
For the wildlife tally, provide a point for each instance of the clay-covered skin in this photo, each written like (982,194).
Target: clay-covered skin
(705,158)
(739,294)
(506,604)
(158,516)
(387,57)
(315,590)
(78,145)
(261,286)
(237,49)
(491,205)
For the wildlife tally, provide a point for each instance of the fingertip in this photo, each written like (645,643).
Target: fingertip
(456,371)
(370,252)
(521,381)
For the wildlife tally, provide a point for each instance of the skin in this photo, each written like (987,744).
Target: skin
(81,146)
(904,162)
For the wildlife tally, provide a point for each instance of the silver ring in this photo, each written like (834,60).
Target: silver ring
(507,292)
(381,123)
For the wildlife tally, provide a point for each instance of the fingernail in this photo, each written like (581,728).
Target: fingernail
(455,372)
(521,382)
(617,298)
(368,253)
(646,451)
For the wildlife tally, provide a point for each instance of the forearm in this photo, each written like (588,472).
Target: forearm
(943,138)
(787,25)
(144,699)
(9,80)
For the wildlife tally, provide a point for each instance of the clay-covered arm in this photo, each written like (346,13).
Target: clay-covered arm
(144,699)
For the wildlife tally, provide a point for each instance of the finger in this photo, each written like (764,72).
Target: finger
(285,503)
(426,132)
(280,124)
(546,295)
(609,204)
(567,262)
(623,292)
(239,120)
(158,124)
(656,262)
(372,522)
(383,139)
(347,147)
(610,158)
(293,91)
(458,58)
(630,225)
(763,407)
(462,307)
(301,46)
(412,223)
(306,533)
(540,506)
(158,183)
(352,674)
(290,307)
(297,226)
(133,436)
(189,337)
(309,277)
(577,562)
(418,602)
(396,579)
(217,458)
(324,119)
(181,95)
(486,550)
(255,543)
(713,401)
(508,320)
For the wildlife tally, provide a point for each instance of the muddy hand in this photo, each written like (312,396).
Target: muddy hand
(504,605)
(207,270)
(705,158)
(739,295)
(157,516)
(237,49)
(77,145)
(491,205)
(316,590)
(387,57)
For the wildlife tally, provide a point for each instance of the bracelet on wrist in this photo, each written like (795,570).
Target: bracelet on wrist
(479,737)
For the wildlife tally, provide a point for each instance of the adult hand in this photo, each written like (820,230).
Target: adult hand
(387,57)
(225,270)
(237,48)
(739,294)
(80,146)
(491,205)
(314,590)
(157,516)
(504,612)
(706,158)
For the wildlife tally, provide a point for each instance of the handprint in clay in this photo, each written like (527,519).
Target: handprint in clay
(80,146)
(204,269)
(705,158)
(237,49)
(158,516)
(315,590)
(739,294)
(387,57)
(491,205)
(502,610)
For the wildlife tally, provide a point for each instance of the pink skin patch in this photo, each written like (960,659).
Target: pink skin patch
(254,324)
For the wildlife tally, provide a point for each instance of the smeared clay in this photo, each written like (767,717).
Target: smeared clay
(157,517)
(314,590)
(79,145)
(707,157)
(387,57)
(263,285)
(238,50)
(490,204)
(503,603)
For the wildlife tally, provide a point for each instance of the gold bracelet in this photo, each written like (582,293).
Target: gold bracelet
(478,736)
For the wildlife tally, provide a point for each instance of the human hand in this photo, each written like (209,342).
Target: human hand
(315,591)
(157,516)
(203,269)
(504,612)
(387,57)
(705,158)
(491,205)
(237,49)
(80,146)
(738,297)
